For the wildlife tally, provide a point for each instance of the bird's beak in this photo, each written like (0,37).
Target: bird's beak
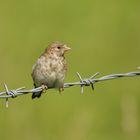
(66,48)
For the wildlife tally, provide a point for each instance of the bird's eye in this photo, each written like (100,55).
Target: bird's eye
(58,47)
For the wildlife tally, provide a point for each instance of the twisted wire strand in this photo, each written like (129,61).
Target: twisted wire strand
(82,82)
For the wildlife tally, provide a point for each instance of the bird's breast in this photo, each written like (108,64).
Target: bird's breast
(49,71)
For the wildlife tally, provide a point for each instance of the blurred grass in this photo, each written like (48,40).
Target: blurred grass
(104,36)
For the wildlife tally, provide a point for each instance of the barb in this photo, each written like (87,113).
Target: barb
(83,82)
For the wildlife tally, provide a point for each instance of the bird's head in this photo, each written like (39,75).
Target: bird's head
(57,48)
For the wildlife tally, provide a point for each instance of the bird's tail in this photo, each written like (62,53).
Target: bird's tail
(36,94)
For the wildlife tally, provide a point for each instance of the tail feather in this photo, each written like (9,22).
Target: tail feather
(36,94)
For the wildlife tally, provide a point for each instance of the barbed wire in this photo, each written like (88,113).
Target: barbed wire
(82,82)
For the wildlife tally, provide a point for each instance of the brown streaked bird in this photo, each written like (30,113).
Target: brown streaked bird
(50,68)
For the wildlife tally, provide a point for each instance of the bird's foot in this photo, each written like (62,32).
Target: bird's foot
(44,88)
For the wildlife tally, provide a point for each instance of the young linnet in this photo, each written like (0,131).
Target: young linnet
(50,68)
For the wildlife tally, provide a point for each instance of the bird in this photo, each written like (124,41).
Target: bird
(50,68)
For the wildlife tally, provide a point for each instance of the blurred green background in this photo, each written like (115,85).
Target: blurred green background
(104,36)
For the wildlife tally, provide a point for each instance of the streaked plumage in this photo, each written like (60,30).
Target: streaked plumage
(50,68)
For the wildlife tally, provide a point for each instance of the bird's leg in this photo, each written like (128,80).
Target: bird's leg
(60,90)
